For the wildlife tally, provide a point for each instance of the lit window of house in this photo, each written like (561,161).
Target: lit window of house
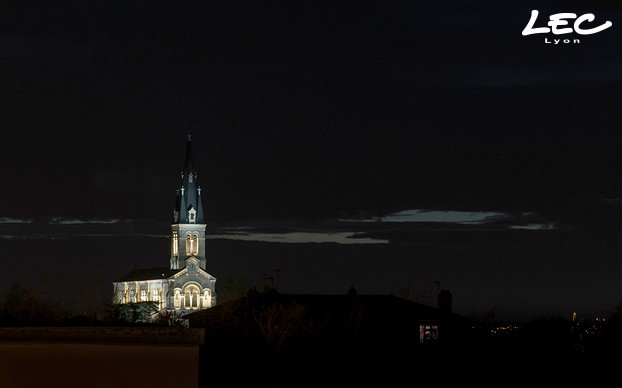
(428,333)
(143,295)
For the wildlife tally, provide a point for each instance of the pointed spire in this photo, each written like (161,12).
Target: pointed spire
(188,163)
(182,214)
(189,193)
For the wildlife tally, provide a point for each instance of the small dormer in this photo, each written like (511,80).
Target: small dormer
(192,215)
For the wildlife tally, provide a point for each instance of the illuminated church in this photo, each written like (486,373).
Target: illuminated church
(184,285)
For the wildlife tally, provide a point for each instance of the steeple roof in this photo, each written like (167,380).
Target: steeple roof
(188,162)
(189,193)
(147,274)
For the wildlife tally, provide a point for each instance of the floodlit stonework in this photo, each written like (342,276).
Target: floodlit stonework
(185,285)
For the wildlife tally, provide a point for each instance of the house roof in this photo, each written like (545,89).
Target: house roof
(382,307)
(147,274)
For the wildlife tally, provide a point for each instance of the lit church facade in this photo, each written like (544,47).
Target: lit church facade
(184,286)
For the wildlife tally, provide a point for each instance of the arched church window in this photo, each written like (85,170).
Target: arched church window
(155,295)
(175,244)
(195,245)
(188,245)
(191,298)
(177,299)
(195,299)
(187,299)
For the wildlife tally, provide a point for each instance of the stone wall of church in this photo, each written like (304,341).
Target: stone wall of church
(142,291)
(190,242)
(193,288)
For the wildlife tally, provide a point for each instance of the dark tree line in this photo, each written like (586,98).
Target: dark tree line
(24,307)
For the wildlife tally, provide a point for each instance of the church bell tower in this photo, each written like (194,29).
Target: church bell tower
(188,225)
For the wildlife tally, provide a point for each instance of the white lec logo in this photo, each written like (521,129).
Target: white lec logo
(557,20)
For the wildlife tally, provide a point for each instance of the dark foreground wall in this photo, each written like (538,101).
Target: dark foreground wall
(99,357)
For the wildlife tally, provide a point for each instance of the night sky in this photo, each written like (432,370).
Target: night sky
(499,153)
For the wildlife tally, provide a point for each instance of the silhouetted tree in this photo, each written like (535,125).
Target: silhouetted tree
(278,323)
(132,313)
(169,318)
(25,307)
(612,332)
(354,319)
(232,289)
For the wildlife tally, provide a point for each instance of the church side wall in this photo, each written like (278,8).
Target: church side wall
(142,291)
(183,249)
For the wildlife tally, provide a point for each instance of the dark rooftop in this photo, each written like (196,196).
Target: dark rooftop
(148,274)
